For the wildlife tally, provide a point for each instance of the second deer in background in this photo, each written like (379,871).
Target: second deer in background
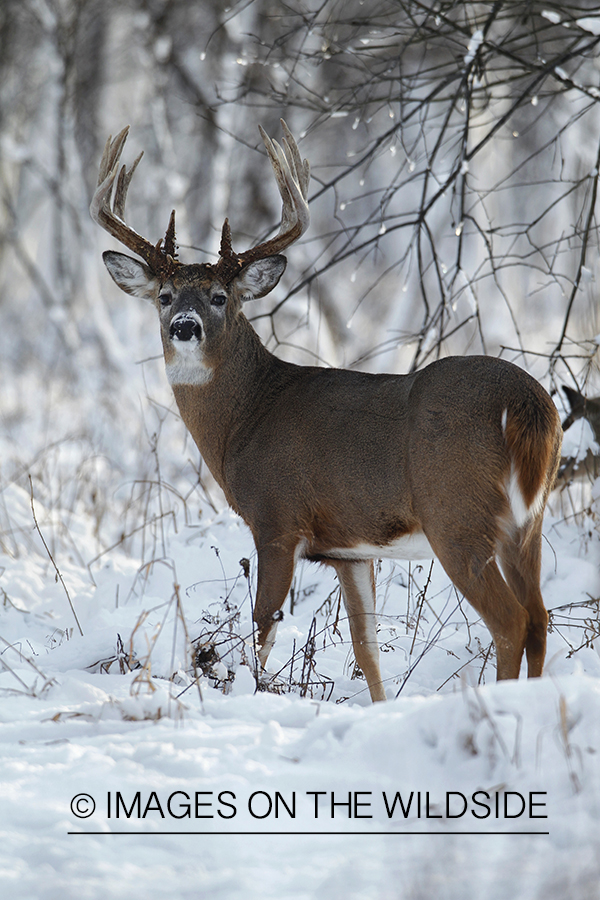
(573,469)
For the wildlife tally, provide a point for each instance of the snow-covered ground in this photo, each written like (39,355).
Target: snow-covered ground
(117,782)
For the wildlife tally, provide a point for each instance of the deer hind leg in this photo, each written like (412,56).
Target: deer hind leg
(520,557)
(357,580)
(479,579)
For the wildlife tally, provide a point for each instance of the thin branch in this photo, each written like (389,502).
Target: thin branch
(56,569)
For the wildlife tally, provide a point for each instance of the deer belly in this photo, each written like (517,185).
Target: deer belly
(409,546)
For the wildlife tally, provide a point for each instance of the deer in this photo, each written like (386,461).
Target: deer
(586,469)
(454,461)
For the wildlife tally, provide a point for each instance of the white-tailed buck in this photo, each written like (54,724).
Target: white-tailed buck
(344,467)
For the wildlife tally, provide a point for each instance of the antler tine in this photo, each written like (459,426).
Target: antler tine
(301,168)
(112,154)
(226,250)
(169,245)
(292,175)
(123,182)
(112,219)
(107,173)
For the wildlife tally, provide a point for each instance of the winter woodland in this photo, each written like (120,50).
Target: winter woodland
(455,155)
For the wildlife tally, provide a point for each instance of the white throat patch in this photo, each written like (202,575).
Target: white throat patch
(186,366)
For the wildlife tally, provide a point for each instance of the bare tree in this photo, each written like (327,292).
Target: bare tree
(461,165)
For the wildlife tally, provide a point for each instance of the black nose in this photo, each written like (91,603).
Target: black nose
(184,328)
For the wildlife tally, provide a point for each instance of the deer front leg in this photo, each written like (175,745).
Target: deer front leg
(357,580)
(275,573)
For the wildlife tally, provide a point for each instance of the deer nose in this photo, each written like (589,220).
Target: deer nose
(184,327)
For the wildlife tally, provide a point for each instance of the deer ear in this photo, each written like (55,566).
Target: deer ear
(130,275)
(260,277)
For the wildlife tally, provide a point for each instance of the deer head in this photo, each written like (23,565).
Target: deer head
(196,303)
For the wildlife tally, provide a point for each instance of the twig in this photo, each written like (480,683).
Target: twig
(56,569)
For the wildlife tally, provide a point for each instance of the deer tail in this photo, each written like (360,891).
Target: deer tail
(533,436)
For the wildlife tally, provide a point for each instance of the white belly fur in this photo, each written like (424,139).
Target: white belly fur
(411,546)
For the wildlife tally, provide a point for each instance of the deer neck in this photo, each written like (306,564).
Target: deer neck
(218,412)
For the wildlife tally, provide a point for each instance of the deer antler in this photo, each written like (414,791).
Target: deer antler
(292,175)
(160,259)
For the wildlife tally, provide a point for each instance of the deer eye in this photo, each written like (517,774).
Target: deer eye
(218,300)
(164,299)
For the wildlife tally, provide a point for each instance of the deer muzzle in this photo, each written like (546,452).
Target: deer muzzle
(185,326)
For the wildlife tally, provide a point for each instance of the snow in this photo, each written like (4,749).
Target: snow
(590,23)
(475,43)
(288,793)
(551,16)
